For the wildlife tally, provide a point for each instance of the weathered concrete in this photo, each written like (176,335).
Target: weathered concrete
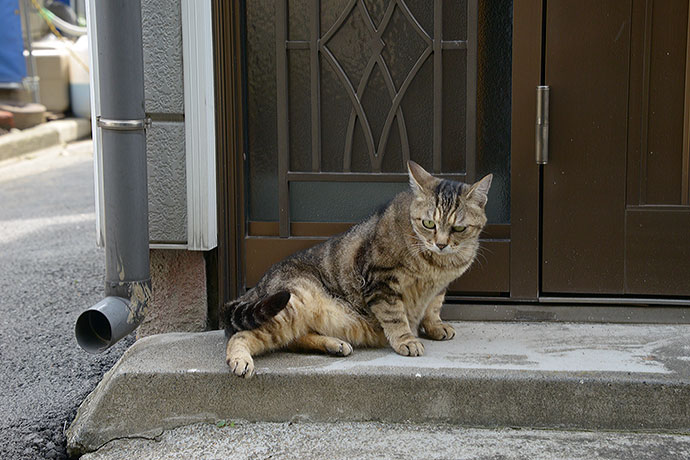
(178,281)
(167,181)
(352,441)
(618,377)
(43,136)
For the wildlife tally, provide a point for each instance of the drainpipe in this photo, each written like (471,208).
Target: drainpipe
(122,123)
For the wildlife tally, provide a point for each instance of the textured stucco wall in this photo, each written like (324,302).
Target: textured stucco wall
(162,38)
(167,182)
(164,103)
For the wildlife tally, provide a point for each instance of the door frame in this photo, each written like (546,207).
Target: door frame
(525,302)
(224,270)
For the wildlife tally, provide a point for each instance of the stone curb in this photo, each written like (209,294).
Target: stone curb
(43,136)
(176,379)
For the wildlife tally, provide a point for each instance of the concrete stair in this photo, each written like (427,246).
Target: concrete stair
(538,375)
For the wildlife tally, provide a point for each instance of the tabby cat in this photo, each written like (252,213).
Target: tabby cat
(376,284)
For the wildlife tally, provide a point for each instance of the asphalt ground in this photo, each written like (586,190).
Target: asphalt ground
(50,270)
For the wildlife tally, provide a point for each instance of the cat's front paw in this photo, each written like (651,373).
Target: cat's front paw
(409,346)
(439,331)
(241,366)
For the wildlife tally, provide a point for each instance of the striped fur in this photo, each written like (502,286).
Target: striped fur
(244,314)
(380,283)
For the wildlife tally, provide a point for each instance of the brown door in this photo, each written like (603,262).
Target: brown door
(340,94)
(616,214)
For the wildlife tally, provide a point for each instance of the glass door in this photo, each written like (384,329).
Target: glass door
(341,94)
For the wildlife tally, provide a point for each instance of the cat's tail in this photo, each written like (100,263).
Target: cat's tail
(248,313)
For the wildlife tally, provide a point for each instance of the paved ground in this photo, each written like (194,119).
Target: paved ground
(241,440)
(51,270)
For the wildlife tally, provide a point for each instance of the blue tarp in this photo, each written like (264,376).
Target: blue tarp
(12,63)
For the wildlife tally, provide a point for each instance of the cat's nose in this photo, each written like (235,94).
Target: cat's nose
(441,246)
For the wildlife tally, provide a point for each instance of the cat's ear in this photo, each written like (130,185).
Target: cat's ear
(420,180)
(479,191)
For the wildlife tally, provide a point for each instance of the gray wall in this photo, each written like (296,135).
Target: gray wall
(164,103)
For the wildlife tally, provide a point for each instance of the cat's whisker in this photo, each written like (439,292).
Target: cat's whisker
(485,249)
(481,257)
(479,261)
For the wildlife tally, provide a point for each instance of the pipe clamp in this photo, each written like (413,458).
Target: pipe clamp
(123,125)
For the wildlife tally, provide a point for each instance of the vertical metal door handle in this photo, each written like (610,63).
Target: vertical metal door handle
(542,128)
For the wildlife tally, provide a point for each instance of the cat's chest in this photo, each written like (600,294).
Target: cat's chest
(419,290)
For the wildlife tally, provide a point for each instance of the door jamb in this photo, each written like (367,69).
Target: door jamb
(527,73)
(229,102)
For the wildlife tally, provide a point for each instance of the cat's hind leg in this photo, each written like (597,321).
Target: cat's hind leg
(240,349)
(277,333)
(321,343)
(311,320)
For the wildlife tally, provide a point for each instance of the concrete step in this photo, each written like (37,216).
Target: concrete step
(241,440)
(543,375)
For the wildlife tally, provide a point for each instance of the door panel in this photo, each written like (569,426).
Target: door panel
(587,50)
(616,219)
(657,252)
(263,247)
(657,246)
(489,274)
(657,70)
(657,156)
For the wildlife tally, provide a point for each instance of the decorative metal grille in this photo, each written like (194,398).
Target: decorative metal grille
(384,29)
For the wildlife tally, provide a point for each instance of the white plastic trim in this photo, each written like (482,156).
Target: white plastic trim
(95,112)
(200,135)
(168,246)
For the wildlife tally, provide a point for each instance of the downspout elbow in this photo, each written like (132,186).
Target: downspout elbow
(113,318)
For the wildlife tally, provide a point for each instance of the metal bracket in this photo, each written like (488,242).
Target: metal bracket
(123,125)
(542,129)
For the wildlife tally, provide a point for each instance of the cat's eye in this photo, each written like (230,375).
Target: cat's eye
(459,228)
(428,224)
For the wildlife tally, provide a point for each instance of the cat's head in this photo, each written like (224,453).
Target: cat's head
(446,214)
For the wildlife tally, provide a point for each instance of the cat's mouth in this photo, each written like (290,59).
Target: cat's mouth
(447,250)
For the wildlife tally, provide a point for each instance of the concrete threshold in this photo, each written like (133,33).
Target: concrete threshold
(540,375)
